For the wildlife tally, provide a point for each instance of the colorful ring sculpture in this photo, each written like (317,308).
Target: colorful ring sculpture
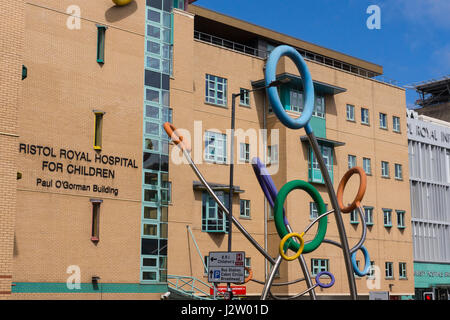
(366,262)
(325,285)
(274,99)
(282,246)
(359,196)
(279,221)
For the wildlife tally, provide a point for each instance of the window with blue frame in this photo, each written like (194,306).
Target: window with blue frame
(216,90)
(213,218)
(319,265)
(315,175)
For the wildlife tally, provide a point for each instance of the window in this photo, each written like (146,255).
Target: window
(244,98)
(354,217)
(368,214)
(206,260)
(215,147)
(351,161)
(398,171)
(402,270)
(383,121)
(98,130)
(101,30)
(385,169)
(244,154)
(313,211)
(387,217)
(396,123)
(248,264)
(318,265)
(213,218)
(245,208)
(350,112)
(367,166)
(371,273)
(272,154)
(296,101)
(388,270)
(315,175)
(364,116)
(95,228)
(319,107)
(216,90)
(401,219)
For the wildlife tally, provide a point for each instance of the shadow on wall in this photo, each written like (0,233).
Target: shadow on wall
(117,13)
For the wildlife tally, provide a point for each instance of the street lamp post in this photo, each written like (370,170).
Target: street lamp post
(231,186)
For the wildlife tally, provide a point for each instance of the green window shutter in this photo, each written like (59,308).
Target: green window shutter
(101,31)
(24,72)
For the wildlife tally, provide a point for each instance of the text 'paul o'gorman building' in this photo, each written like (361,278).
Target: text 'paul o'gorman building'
(97,204)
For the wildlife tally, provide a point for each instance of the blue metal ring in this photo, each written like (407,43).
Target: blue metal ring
(324,285)
(366,259)
(308,88)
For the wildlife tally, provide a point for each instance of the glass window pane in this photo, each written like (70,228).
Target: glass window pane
(153,31)
(154,16)
(150,195)
(149,262)
(150,230)
(150,213)
(152,112)
(152,144)
(152,128)
(149,275)
(152,95)
(153,47)
(151,178)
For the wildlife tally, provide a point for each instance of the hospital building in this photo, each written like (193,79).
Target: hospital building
(97,203)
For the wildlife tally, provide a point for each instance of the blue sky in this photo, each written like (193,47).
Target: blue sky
(412,45)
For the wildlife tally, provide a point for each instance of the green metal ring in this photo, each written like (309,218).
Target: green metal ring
(279,221)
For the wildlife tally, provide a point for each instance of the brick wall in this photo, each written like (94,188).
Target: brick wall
(12,26)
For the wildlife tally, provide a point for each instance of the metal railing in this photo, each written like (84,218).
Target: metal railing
(190,287)
(230,44)
(311,56)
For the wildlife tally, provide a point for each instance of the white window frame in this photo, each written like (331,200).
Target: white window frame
(396,123)
(244,152)
(389,270)
(398,171)
(351,161)
(383,120)
(350,112)
(367,166)
(385,169)
(216,151)
(365,116)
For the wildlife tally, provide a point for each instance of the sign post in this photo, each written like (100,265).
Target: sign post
(226,267)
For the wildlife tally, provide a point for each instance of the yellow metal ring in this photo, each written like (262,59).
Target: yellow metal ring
(122,2)
(300,250)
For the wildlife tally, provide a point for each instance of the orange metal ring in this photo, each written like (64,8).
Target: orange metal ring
(362,189)
(250,274)
(176,138)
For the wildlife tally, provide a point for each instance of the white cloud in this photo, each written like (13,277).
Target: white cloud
(434,12)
